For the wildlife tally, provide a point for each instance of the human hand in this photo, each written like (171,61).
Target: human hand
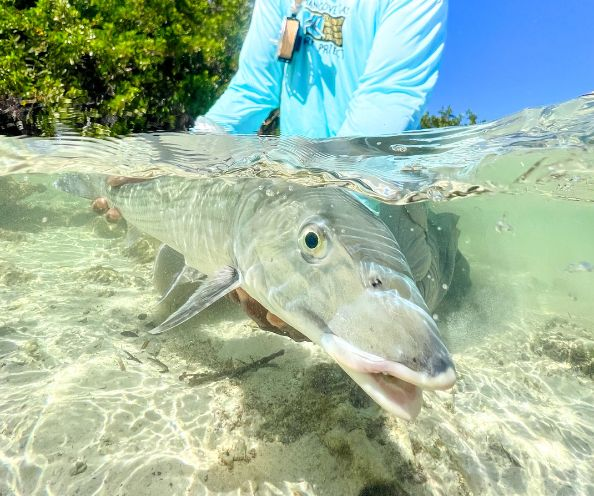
(261,316)
(101,205)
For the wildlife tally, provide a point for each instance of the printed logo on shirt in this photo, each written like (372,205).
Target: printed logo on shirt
(322,22)
(324,27)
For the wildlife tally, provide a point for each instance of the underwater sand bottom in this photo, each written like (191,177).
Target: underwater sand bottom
(79,416)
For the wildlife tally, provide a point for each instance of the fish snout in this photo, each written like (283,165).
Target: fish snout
(438,369)
(383,333)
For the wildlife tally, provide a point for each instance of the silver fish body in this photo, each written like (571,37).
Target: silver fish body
(316,258)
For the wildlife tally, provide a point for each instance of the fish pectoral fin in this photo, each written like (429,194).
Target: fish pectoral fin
(170,271)
(186,275)
(214,288)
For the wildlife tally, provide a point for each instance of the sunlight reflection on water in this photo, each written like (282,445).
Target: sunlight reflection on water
(77,414)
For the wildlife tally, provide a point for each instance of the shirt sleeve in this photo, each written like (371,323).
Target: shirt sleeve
(255,89)
(401,69)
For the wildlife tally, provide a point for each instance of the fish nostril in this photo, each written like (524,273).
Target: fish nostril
(440,365)
(376,282)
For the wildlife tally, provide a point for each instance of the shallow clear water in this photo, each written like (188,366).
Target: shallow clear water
(79,416)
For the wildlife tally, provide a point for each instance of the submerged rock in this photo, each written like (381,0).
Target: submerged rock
(102,275)
(564,341)
(12,236)
(108,230)
(237,453)
(142,250)
(13,190)
(10,275)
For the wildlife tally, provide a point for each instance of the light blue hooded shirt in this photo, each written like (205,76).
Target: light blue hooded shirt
(364,68)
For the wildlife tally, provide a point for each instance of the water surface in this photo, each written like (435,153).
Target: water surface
(78,415)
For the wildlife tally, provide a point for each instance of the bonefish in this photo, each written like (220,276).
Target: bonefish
(315,257)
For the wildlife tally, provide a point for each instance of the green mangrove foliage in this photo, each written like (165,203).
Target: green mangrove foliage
(446,117)
(115,66)
(119,66)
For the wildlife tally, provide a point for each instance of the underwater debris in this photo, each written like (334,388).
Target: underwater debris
(78,468)
(582,266)
(499,449)
(202,378)
(502,226)
(238,453)
(129,334)
(529,172)
(442,190)
(131,357)
(163,368)
(121,364)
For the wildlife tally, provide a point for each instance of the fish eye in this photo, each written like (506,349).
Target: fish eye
(313,242)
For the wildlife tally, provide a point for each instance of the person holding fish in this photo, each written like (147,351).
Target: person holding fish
(361,281)
(340,68)
(337,68)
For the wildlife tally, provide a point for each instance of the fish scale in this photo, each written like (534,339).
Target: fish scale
(203,204)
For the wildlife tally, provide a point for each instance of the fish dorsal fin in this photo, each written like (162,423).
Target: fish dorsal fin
(222,282)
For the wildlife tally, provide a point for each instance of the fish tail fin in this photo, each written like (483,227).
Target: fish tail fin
(88,186)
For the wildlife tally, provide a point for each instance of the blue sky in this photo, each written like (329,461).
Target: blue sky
(503,56)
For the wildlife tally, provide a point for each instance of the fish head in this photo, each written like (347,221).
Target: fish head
(334,271)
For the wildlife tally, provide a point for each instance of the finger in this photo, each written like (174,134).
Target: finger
(284,329)
(233,296)
(252,308)
(113,215)
(275,321)
(116,181)
(100,205)
(242,295)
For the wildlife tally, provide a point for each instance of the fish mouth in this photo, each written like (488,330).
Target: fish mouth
(396,396)
(395,387)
